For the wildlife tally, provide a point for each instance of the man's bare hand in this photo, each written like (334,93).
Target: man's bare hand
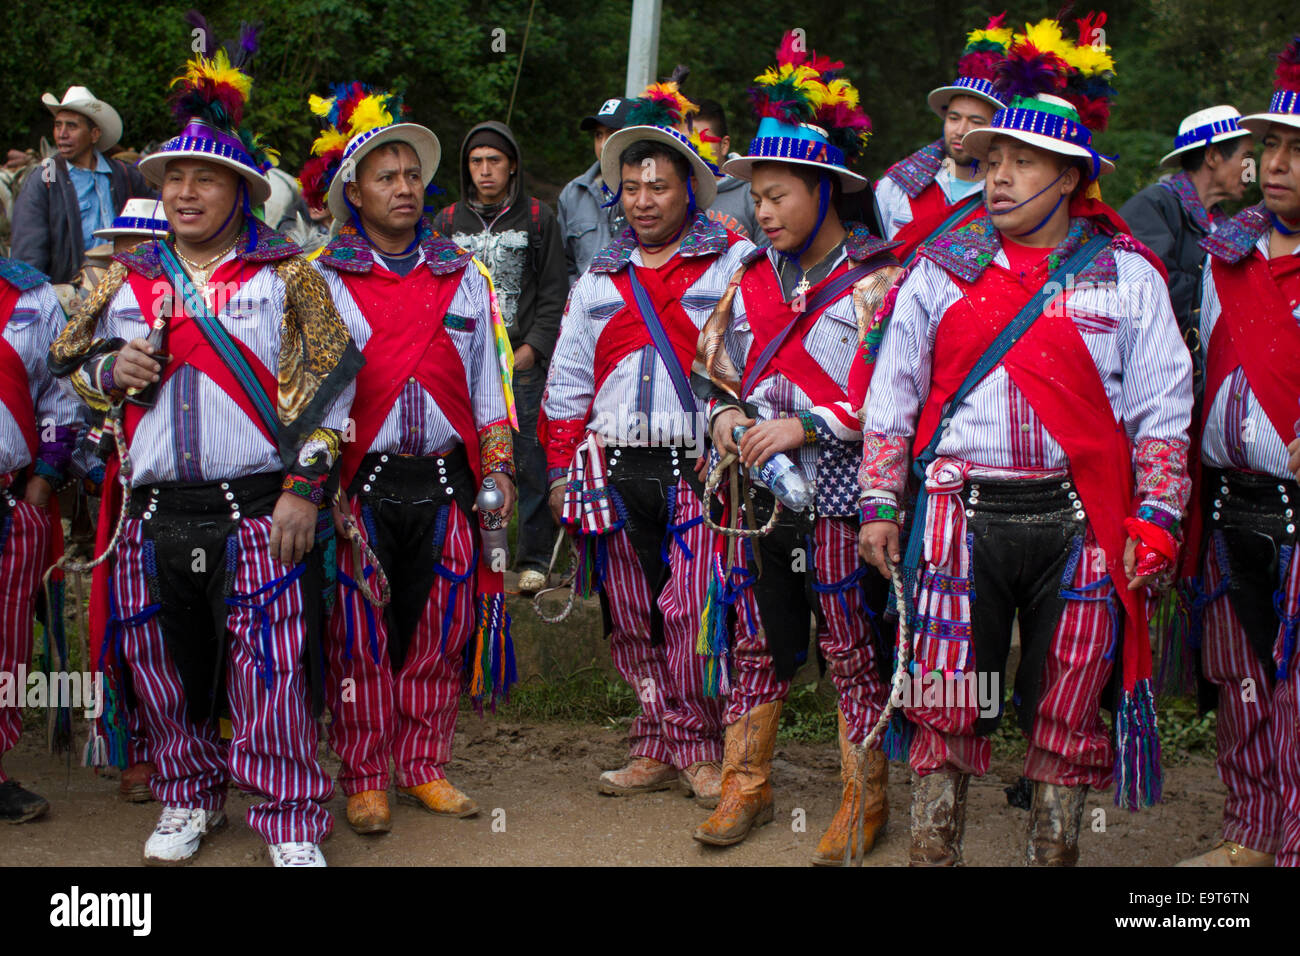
(765,439)
(876,540)
(38,492)
(525,358)
(138,364)
(508,489)
(293,528)
(723,424)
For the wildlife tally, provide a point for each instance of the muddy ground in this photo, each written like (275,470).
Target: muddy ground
(537,782)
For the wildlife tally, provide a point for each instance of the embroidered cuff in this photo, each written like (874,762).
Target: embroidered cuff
(884,463)
(878,509)
(309,488)
(556,475)
(496,449)
(1161,471)
(1159,515)
(104,373)
(810,424)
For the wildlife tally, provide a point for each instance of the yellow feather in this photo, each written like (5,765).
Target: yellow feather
(1090,60)
(1047,37)
(1001,35)
(328,140)
(320,105)
(217,69)
(368,114)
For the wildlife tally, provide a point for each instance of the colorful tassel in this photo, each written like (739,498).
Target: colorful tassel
(490,663)
(1138,778)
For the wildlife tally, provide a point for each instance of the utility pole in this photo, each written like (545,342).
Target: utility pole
(643,46)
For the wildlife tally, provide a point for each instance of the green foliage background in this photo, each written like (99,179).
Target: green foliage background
(1172,58)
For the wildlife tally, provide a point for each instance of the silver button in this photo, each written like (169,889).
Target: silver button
(411,380)
(225,486)
(235,515)
(1025,427)
(442,471)
(443,479)
(148,515)
(1282,488)
(154,491)
(1286,500)
(1074,496)
(1218,503)
(1288,513)
(448,491)
(230,496)
(676,472)
(371,478)
(645,378)
(1290,529)
(970,513)
(1215,516)
(365,487)
(188,456)
(185,406)
(441,462)
(1065,484)
(383,458)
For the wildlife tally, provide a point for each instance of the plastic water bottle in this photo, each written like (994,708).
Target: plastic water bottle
(492,526)
(780,476)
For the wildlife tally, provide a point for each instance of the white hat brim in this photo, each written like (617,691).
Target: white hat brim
(706,183)
(1217,138)
(98,112)
(109,232)
(939,98)
(1258,123)
(154,169)
(419,138)
(742,167)
(976,143)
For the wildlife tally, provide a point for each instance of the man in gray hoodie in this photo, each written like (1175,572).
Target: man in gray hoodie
(587,220)
(516,237)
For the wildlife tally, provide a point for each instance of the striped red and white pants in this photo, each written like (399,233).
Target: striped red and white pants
(408,717)
(22,555)
(845,642)
(678,723)
(1258,727)
(1070,744)
(273,750)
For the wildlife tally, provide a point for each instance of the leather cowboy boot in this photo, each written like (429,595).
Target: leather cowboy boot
(864,776)
(938,818)
(368,812)
(1054,819)
(746,800)
(439,797)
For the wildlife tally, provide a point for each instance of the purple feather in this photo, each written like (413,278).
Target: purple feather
(1028,72)
(247,46)
(199,22)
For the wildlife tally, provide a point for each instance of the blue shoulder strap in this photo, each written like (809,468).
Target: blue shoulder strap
(681,385)
(218,338)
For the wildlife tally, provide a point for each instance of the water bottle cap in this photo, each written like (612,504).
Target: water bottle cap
(489,483)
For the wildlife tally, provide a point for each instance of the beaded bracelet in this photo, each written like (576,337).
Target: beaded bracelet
(105,376)
(879,511)
(306,488)
(809,422)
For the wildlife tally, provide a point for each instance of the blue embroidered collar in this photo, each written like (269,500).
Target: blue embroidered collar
(705,237)
(271,246)
(1235,238)
(349,252)
(20,275)
(915,172)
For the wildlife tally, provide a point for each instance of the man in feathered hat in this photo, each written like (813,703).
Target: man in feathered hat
(622,430)
(780,347)
(1247,584)
(37,427)
(1172,216)
(1032,371)
(229,415)
(940,186)
(433,410)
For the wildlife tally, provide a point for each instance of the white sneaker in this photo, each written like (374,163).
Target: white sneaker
(179,832)
(296,854)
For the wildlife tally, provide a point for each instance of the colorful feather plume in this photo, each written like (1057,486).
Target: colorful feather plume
(1288,67)
(350,109)
(1043,60)
(984,50)
(804,87)
(215,86)
(662,104)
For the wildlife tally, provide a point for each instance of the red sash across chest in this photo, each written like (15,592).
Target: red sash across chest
(15,390)
(1257,331)
(626,333)
(769,316)
(1053,369)
(187,345)
(408,340)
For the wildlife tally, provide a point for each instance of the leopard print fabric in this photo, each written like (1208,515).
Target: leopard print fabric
(314,338)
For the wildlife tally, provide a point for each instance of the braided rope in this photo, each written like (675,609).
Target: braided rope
(902,655)
(362,555)
(568,582)
(731,460)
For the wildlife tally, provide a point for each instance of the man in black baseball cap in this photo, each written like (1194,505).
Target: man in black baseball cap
(586,224)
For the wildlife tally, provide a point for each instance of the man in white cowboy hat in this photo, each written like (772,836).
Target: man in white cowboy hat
(790,325)
(432,411)
(1036,420)
(1249,579)
(77,191)
(34,458)
(622,429)
(1172,216)
(231,413)
(939,186)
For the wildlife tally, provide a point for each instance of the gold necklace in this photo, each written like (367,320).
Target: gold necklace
(200,271)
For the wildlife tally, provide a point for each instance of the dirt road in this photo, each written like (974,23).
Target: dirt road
(536,785)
